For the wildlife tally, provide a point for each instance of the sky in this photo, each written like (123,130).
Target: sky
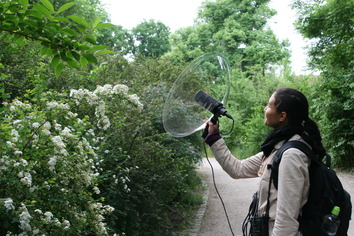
(182,13)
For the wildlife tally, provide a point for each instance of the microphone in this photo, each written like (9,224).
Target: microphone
(211,104)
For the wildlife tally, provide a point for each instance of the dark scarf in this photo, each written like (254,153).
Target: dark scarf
(278,135)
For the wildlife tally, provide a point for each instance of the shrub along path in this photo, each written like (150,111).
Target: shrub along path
(236,195)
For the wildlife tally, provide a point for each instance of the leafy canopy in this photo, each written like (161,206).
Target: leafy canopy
(151,38)
(237,28)
(67,40)
(330,24)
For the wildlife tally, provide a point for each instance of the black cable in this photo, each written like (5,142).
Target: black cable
(232,128)
(217,191)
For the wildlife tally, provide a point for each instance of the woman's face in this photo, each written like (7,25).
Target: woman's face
(272,117)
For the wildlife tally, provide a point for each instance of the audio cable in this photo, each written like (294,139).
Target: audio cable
(216,189)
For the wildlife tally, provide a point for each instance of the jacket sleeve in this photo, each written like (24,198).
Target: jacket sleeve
(247,168)
(293,186)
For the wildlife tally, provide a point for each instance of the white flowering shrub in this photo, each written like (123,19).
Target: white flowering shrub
(49,166)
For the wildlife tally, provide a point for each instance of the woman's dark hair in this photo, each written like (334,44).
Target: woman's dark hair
(296,106)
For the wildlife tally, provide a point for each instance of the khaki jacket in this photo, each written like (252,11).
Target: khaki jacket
(293,183)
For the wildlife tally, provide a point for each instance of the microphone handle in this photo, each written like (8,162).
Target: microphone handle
(214,119)
(205,131)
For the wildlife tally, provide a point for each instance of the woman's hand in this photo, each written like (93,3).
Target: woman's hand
(211,133)
(212,127)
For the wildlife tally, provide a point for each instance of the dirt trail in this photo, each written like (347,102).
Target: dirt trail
(236,195)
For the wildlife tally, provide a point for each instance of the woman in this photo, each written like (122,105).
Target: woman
(287,114)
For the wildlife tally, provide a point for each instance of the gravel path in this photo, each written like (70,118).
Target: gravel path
(236,194)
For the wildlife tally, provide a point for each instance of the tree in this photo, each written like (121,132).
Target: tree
(117,39)
(151,38)
(35,34)
(237,28)
(331,26)
(90,10)
(68,40)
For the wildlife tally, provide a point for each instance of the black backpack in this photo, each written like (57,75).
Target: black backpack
(326,191)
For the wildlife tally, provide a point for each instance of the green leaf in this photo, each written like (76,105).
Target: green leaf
(12,21)
(55,61)
(73,55)
(58,69)
(69,55)
(53,30)
(104,25)
(65,7)
(48,5)
(81,47)
(30,23)
(73,64)
(13,8)
(79,20)
(42,10)
(90,58)
(83,62)
(19,39)
(95,23)
(68,31)
(97,48)
(76,55)
(24,4)
(61,19)
(104,52)
(45,50)
(49,52)
(89,38)
(81,28)
(63,56)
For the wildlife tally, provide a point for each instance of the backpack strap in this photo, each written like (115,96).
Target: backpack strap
(292,144)
(276,162)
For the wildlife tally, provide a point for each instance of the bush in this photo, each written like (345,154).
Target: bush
(49,166)
(149,176)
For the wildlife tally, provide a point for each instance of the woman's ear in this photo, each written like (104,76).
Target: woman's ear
(283,116)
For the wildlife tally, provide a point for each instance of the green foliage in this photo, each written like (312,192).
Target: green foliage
(89,10)
(116,39)
(151,39)
(330,24)
(236,28)
(67,40)
(148,177)
(246,104)
(49,166)
(336,97)
(160,170)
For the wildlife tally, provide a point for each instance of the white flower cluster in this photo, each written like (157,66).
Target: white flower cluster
(17,104)
(66,142)
(25,219)
(8,203)
(96,190)
(52,105)
(101,210)
(48,218)
(52,162)
(98,96)
(46,129)
(26,178)
(59,145)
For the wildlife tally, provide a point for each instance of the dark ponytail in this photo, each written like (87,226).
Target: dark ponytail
(314,137)
(295,104)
